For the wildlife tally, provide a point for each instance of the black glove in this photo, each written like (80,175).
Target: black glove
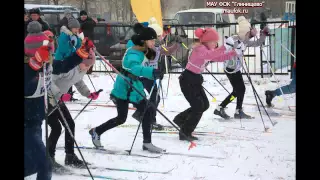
(157,74)
(178,39)
(151,54)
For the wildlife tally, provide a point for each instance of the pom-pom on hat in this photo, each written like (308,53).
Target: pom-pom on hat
(244,26)
(154,25)
(207,34)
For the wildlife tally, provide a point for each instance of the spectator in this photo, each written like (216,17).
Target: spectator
(87,27)
(35,16)
(26,22)
(87,24)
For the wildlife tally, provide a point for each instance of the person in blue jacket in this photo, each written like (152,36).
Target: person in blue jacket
(68,42)
(123,94)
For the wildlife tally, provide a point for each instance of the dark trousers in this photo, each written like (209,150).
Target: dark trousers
(54,121)
(239,89)
(155,98)
(122,108)
(35,160)
(191,87)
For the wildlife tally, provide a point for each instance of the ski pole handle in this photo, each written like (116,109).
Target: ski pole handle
(99,91)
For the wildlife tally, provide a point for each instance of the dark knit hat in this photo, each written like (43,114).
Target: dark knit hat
(34,27)
(144,35)
(67,13)
(83,13)
(73,23)
(34,11)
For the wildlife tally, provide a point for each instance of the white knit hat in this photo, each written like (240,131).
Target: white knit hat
(154,25)
(244,26)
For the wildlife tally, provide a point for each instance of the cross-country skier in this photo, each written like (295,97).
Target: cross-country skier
(288,89)
(122,94)
(69,40)
(191,79)
(147,83)
(36,54)
(61,82)
(233,66)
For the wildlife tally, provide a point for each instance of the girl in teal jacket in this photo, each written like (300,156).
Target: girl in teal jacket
(69,40)
(122,94)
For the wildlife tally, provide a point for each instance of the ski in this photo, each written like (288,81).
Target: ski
(115,152)
(88,175)
(192,155)
(166,127)
(130,108)
(201,133)
(131,170)
(86,110)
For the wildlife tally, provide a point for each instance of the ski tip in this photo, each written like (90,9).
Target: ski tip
(192,145)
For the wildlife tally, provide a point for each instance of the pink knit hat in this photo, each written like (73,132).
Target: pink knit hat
(207,34)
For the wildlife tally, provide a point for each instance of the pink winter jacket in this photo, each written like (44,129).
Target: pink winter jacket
(200,55)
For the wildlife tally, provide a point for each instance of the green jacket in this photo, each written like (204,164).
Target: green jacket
(131,62)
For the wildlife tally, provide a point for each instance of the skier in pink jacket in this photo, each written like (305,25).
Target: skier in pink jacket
(191,79)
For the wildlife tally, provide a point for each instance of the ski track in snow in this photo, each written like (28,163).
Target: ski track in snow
(245,153)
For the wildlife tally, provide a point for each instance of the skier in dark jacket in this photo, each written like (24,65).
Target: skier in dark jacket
(35,16)
(37,52)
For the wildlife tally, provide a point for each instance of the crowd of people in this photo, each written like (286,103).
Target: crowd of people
(48,80)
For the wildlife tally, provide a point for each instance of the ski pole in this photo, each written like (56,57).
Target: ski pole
(275,78)
(142,116)
(106,69)
(46,109)
(91,83)
(162,93)
(254,90)
(100,90)
(71,135)
(120,75)
(56,107)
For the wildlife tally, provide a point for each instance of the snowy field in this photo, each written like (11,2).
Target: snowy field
(233,153)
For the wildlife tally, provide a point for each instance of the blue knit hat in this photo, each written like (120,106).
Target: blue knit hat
(145,24)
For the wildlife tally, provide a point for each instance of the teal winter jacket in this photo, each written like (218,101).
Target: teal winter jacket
(65,47)
(132,63)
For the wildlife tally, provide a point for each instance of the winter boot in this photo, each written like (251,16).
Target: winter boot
(189,137)
(241,115)
(95,138)
(137,115)
(152,148)
(72,160)
(269,96)
(157,126)
(220,112)
(58,168)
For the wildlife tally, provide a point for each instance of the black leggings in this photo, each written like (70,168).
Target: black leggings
(122,108)
(191,87)
(54,121)
(239,89)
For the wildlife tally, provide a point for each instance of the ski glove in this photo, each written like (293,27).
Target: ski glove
(42,54)
(66,97)
(266,31)
(86,45)
(157,74)
(93,95)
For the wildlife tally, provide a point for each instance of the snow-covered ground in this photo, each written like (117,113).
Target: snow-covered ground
(246,153)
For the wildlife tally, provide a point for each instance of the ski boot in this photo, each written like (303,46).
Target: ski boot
(157,126)
(241,115)
(220,112)
(95,138)
(58,168)
(72,160)
(189,137)
(152,148)
(269,96)
(72,99)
